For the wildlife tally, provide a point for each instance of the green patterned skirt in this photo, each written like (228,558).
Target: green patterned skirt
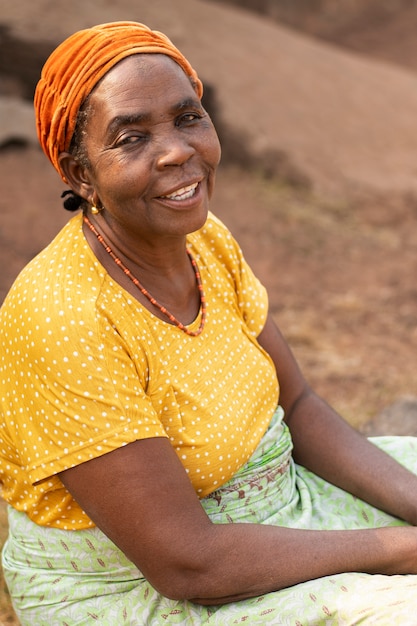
(74,578)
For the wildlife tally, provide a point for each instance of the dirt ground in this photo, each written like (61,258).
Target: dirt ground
(340,272)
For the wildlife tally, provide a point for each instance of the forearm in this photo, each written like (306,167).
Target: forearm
(245,561)
(141,498)
(328,446)
(259,559)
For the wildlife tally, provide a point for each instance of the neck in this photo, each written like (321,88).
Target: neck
(144,251)
(187,303)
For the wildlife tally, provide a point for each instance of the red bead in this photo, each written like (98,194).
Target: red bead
(146,293)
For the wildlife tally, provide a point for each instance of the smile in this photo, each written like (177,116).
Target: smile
(182,194)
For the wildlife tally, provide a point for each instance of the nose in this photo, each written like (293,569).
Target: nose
(174,149)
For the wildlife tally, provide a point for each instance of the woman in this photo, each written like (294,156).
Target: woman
(151,474)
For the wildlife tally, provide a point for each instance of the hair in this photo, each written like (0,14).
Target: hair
(78,150)
(77,146)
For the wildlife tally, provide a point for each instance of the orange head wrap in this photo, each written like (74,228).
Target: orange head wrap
(76,66)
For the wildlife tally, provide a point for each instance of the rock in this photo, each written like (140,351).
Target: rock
(17,121)
(399,418)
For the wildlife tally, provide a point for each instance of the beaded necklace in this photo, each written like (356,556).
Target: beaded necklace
(146,293)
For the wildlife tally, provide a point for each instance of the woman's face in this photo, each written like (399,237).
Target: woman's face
(152,149)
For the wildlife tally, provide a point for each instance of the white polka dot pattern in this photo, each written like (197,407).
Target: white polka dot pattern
(85,369)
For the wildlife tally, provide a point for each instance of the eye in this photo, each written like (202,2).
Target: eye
(128,139)
(188,118)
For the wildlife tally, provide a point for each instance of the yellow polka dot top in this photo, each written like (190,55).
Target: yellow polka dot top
(85,369)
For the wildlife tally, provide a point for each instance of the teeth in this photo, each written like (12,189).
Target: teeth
(183,193)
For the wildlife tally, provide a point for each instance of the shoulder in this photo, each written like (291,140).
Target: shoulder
(56,288)
(48,264)
(215,238)
(60,269)
(214,227)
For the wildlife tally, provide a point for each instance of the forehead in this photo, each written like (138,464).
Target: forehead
(143,77)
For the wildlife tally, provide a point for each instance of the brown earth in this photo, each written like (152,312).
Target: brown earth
(337,250)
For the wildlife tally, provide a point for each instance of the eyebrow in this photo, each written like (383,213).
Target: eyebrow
(126,120)
(131,119)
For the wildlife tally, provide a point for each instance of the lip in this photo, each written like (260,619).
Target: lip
(180,185)
(185,201)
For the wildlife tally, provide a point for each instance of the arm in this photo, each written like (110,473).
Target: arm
(328,446)
(141,498)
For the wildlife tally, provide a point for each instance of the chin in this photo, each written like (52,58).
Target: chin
(199,220)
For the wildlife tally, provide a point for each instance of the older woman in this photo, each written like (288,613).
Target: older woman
(151,475)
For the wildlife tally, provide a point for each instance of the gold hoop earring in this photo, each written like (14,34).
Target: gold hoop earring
(95,210)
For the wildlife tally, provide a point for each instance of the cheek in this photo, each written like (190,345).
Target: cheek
(218,151)
(213,148)
(209,143)
(116,177)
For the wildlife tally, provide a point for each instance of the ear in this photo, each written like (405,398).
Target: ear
(77,175)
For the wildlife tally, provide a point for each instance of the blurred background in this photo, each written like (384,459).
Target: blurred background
(315,102)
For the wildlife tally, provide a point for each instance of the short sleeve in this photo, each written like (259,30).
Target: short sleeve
(72,391)
(226,256)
